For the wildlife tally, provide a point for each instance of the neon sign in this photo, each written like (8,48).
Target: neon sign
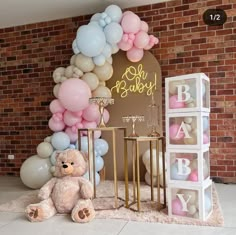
(135,80)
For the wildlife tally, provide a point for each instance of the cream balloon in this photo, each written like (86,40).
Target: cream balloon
(44,149)
(58,73)
(188,120)
(35,171)
(102,91)
(91,79)
(84,63)
(56,89)
(173,86)
(72,59)
(192,209)
(192,193)
(69,71)
(48,139)
(104,72)
(191,141)
(154,178)
(77,73)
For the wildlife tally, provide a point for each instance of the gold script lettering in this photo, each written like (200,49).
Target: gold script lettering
(135,80)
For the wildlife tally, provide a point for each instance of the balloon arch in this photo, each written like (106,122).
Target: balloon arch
(90,67)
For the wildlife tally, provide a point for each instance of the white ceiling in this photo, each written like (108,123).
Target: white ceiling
(20,12)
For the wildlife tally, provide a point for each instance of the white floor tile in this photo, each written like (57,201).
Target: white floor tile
(6,218)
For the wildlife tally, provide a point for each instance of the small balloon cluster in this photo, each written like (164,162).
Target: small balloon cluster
(146,160)
(190,172)
(110,31)
(186,203)
(185,130)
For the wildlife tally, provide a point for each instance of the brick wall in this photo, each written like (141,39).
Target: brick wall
(30,53)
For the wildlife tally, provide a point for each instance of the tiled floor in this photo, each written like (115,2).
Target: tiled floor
(16,223)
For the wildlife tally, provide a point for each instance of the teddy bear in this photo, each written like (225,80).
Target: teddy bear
(67,192)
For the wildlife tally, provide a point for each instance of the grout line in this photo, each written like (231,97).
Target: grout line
(123,227)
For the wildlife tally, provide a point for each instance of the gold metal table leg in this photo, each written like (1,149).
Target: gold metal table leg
(138,175)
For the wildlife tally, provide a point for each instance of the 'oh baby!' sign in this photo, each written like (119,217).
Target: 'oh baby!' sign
(135,80)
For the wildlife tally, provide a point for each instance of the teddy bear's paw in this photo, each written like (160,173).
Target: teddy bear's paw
(34,214)
(83,215)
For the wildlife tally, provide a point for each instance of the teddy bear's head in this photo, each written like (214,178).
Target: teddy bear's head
(70,162)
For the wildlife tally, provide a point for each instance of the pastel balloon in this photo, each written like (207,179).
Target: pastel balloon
(104,72)
(69,71)
(35,171)
(101,146)
(84,63)
(130,22)
(144,26)
(141,39)
(83,144)
(99,60)
(174,130)
(174,103)
(56,125)
(73,135)
(70,118)
(91,113)
(58,73)
(102,91)
(177,208)
(135,54)
(147,178)
(60,140)
(74,94)
(113,32)
(192,140)
(91,79)
(44,149)
(99,163)
(192,194)
(175,175)
(106,117)
(56,89)
(75,47)
(193,176)
(90,40)
(97,177)
(87,124)
(56,106)
(206,139)
(107,50)
(125,46)
(205,120)
(53,157)
(208,204)
(114,12)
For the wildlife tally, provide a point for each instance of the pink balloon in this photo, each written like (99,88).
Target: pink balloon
(71,118)
(173,131)
(141,40)
(124,46)
(135,54)
(74,94)
(193,176)
(106,117)
(174,103)
(177,208)
(87,124)
(57,117)
(73,135)
(144,26)
(130,22)
(56,125)
(205,138)
(56,106)
(91,113)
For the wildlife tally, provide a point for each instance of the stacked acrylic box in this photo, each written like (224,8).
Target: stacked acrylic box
(187,146)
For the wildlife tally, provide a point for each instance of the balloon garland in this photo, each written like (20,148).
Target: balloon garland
(90,67)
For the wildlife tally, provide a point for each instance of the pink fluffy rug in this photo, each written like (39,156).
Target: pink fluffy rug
(104,207)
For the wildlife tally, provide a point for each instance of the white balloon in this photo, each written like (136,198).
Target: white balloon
(60,140)
(113,33)
(44,149)
(35,171)
(104,72)
(56,89)
(69,71)
(90,40)
(91,79)
(114,12)
(84,63)
(101,146)
(102,91)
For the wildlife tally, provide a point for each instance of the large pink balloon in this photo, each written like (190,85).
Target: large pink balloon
(71,118)
(130,23)
(74,94)
(125,46)
(91,113)
(134,54)
(56,106)
(141,39)
(106,117)
(56,125)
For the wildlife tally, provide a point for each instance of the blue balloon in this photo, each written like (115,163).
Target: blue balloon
(174,173)
(205,120)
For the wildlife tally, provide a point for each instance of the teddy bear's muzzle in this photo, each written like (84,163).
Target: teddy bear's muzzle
(67,169)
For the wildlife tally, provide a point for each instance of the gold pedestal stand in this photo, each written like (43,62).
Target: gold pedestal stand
(136,166)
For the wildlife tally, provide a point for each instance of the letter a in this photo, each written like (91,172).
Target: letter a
(183,127)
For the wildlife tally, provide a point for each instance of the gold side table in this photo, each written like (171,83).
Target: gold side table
(91,154)
(136,169)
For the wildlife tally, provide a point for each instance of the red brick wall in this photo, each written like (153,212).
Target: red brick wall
(30,53)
